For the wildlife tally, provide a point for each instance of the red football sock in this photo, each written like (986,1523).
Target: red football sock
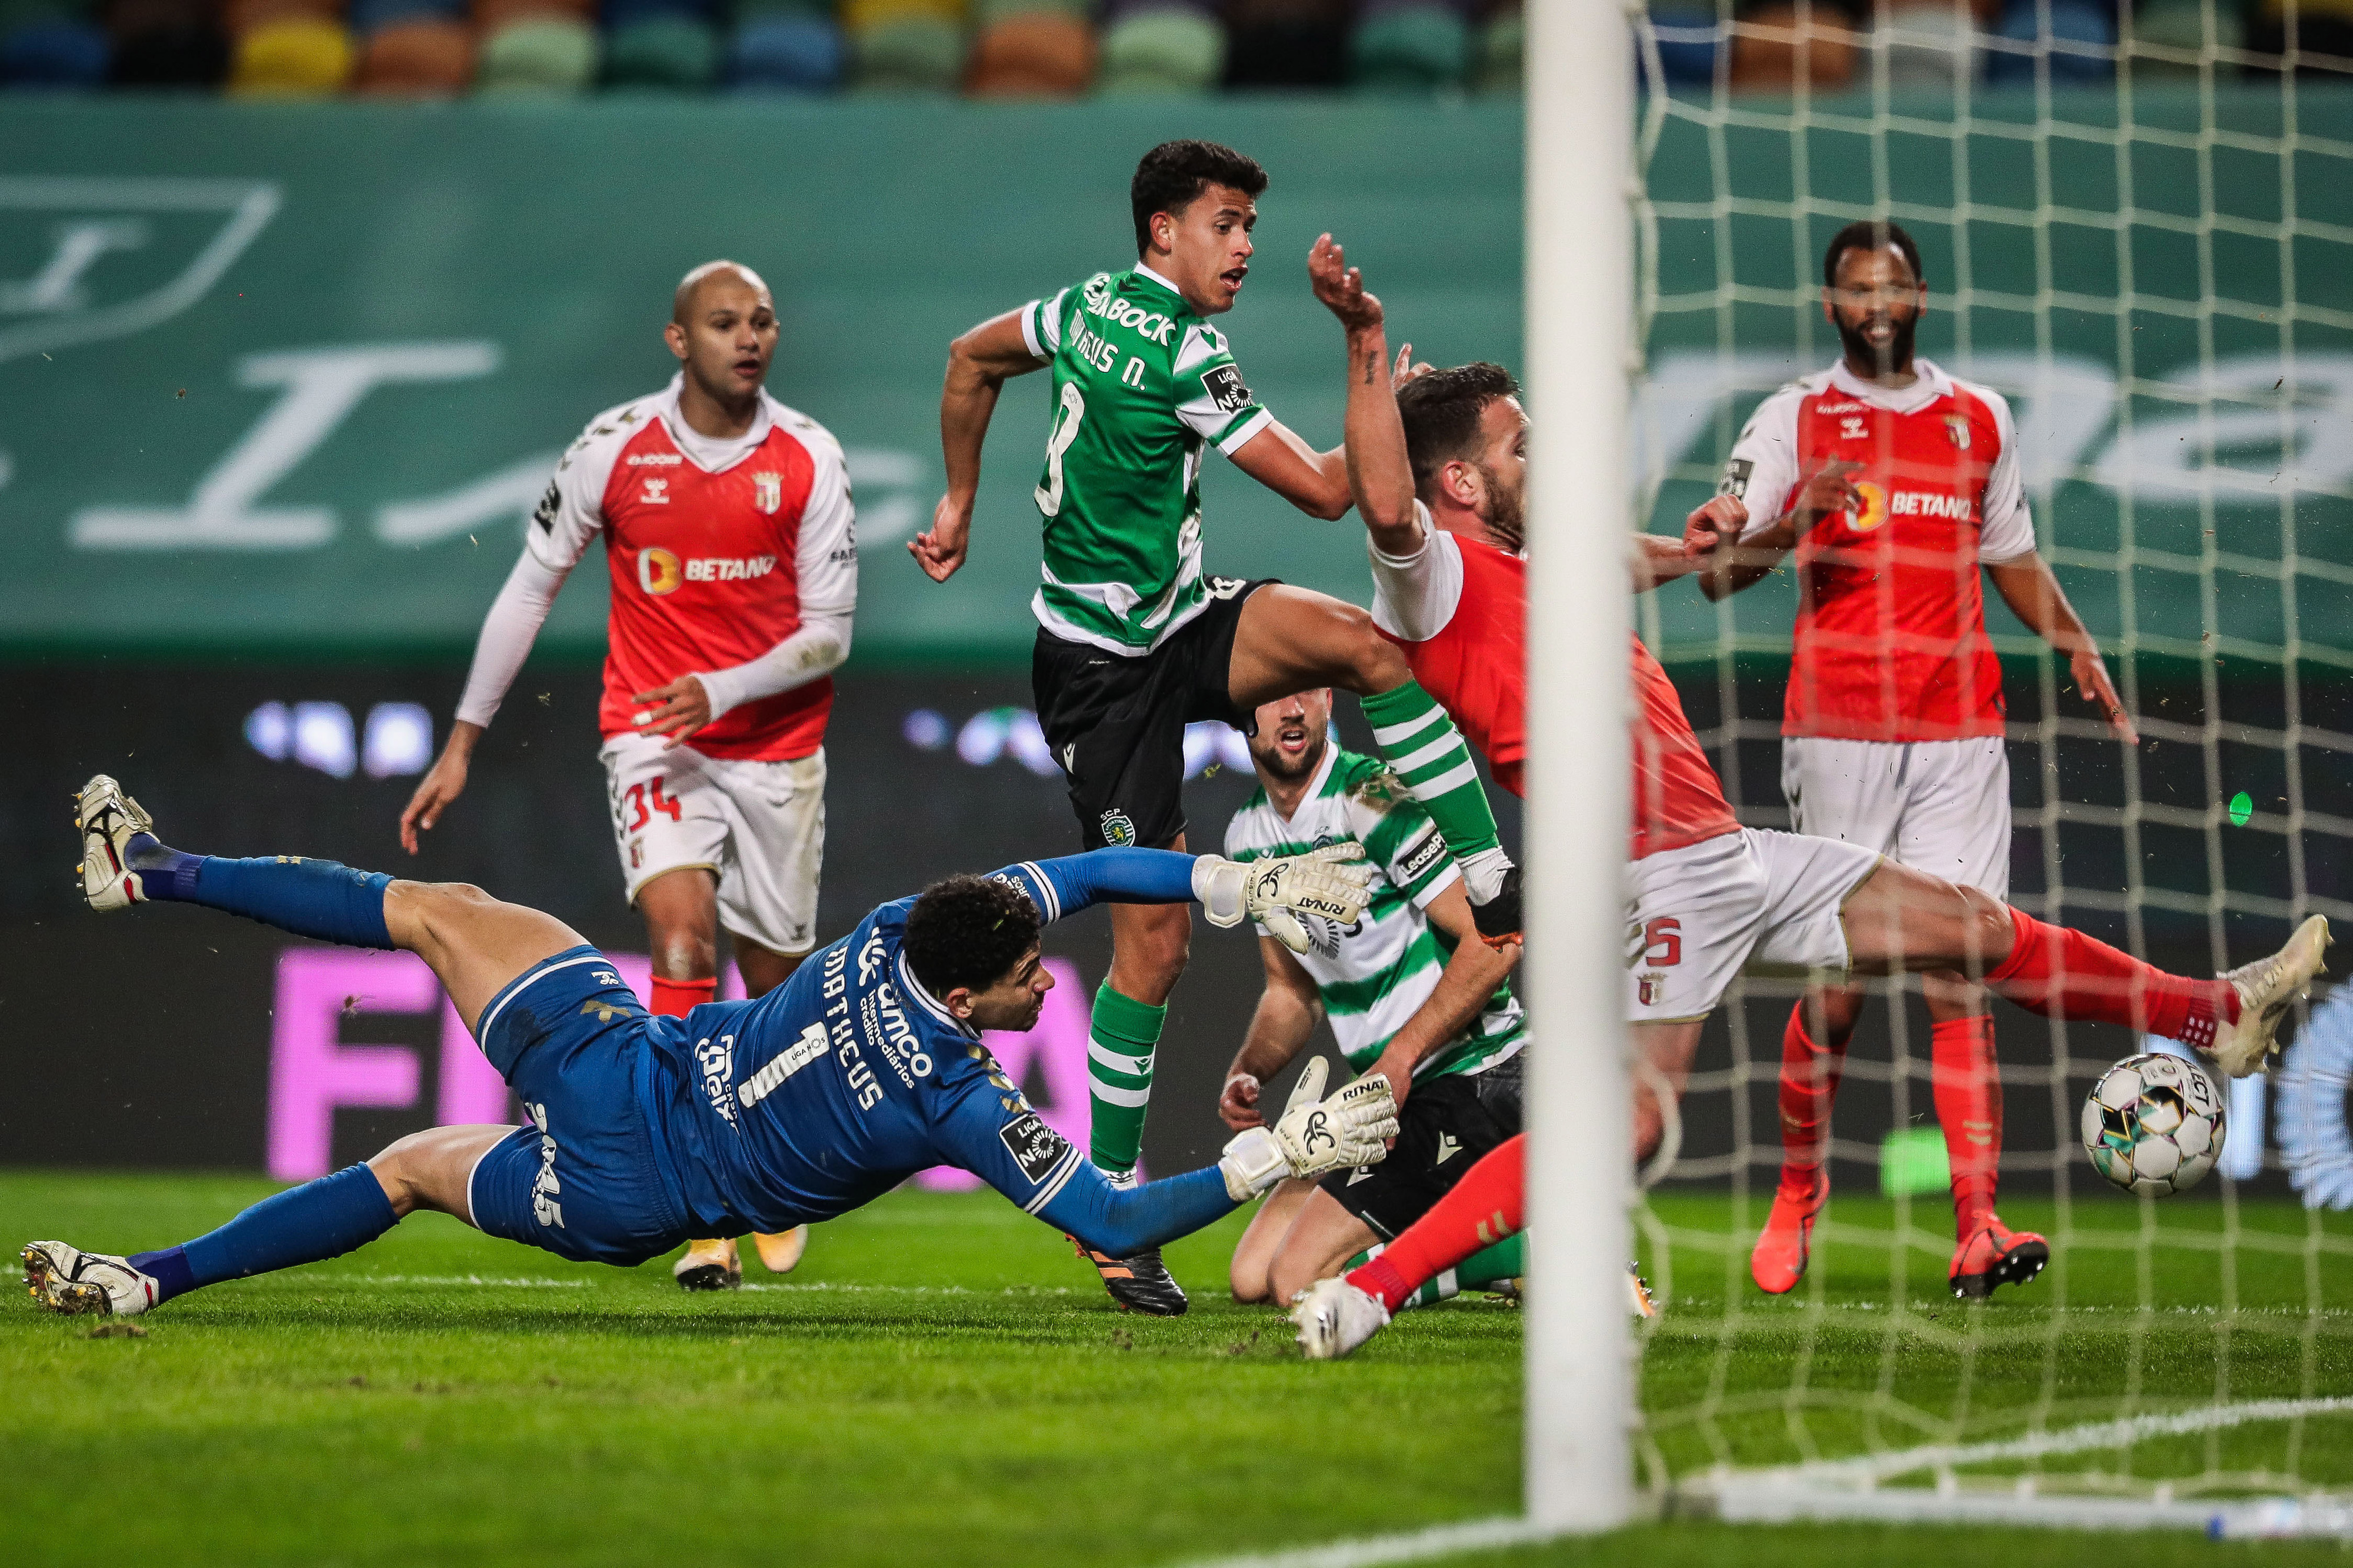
(673,997)
(2053,969)
(1809,1081)
(1967,1083)
(1486,1206)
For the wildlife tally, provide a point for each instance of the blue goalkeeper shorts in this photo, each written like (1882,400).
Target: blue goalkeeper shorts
(581,1181)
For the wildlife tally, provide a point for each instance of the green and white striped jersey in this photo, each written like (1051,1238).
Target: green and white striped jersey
(1375,974)
(1141,384)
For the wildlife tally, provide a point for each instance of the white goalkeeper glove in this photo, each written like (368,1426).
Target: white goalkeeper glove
(1334,882)
(1314,1135)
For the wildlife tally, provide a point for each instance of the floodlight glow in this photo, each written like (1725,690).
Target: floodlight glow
(269,731)
(399,739)
(323,738)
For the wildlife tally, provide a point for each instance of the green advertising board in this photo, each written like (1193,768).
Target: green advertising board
(288,378)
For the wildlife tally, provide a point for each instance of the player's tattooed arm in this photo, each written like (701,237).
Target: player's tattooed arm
(1287,1013)
(1470,978)
(979,364)
(2032,593)
(1380,477)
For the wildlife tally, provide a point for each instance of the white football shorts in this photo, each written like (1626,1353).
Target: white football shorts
(1764,902)
(1939,806)
(760,826)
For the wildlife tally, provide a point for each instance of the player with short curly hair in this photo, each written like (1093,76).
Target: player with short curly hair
(1135,639)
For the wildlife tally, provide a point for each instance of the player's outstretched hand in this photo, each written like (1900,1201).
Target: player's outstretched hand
(443,784)
(1315,1135)
(1340,286)
(1713,525)
(1334,882)
(2091,673)
(940,552)
(1238,1102)
(1827,491)
(678,710)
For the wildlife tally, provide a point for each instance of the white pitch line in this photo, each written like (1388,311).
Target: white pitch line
(1412,1546)
(519,1281)
(2123,1433)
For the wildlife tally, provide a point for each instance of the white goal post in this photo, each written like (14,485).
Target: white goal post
(1579,283)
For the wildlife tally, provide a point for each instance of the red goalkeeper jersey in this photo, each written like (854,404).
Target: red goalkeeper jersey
(1891,638)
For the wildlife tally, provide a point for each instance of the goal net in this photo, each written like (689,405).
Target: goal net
(2144,241)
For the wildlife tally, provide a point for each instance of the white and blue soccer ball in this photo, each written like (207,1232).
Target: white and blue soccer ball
(2154,1124)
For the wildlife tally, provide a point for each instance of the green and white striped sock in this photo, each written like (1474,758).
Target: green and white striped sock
(1430,754)
(1120,1045)
(1443,1287)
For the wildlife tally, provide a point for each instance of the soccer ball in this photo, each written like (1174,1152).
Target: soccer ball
(2154,1124)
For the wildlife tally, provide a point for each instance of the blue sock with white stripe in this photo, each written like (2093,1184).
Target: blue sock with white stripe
(1431,755)
(310,898)
(308,1224)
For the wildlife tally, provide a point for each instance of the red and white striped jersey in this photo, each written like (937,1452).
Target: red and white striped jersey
(1891,641)
(715,547)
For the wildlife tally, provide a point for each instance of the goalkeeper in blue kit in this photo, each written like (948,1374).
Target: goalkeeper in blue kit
(864,1067)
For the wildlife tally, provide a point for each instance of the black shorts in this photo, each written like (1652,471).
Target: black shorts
(1117,724)
(1446,1125)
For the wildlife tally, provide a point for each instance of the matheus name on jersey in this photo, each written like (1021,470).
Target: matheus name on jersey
(1377,973)
(1141,386)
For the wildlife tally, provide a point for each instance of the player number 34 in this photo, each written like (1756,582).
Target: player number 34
(642,806)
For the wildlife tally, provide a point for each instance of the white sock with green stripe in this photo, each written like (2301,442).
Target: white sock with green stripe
(1121,1041)
(1431,755)
(1443,1286)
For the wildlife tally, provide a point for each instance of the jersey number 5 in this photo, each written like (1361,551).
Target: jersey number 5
(1067,415)
(637,803)
(1663,943)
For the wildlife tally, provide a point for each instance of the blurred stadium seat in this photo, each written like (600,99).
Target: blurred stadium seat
(1774,49)
(1286,43)
(1409,47)
(538,54)
(2069,22)
(51,48)
(292,55)
(673,52)
(1161,46)
(1030,48)
(421,56)
(786,48)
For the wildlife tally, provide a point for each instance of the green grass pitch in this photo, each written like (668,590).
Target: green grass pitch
(941,1382)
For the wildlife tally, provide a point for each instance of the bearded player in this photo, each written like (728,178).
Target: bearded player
(1894,483)
(733,560)
(864,1067)
(1134,639)
(1707,897)
(1412,995)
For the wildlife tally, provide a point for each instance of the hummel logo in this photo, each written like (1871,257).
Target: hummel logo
(1448,1147)
(1361,1173)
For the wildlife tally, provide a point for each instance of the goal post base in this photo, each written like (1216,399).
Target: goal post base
(1777,1500)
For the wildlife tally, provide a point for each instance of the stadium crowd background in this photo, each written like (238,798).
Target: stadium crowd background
(1063,49)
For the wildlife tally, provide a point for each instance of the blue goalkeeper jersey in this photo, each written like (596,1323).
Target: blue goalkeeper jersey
(851,1077)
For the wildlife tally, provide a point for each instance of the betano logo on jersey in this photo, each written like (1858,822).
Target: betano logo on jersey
(1878,506)
(659,571)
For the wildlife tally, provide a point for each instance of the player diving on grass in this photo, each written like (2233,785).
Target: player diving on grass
(1134,639)
(1705,897)
(1894,484)
(1411,992)
(733,555)
(864,1067)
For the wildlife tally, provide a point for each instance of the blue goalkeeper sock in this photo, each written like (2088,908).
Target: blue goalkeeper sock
(315,1221)
(310,898)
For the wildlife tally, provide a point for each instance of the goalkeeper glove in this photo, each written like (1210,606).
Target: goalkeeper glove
(1334,882)
(1314,1136)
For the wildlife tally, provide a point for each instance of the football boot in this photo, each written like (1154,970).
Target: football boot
(108,820)
(1997,1255)
(1139,1283)
(782,1252)
(1499,919)
(708,1265)
(1336,1317)
(2267,988)
(83,1284)
(1779,1259)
